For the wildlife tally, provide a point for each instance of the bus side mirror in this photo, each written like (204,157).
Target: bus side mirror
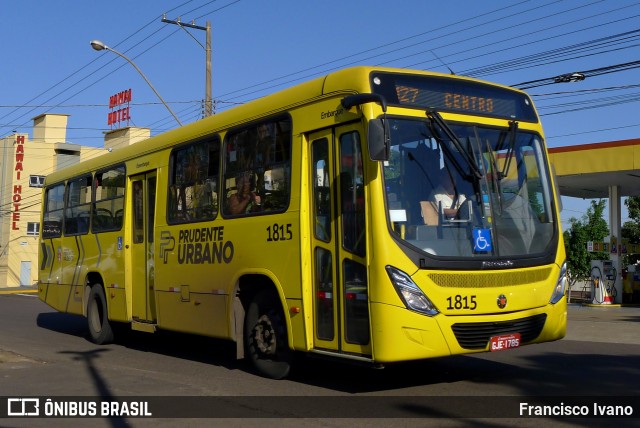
(378,139)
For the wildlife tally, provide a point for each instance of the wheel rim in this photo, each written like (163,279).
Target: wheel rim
(264,337)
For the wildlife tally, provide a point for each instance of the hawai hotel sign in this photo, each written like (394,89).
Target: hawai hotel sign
(120,109)
(17,188)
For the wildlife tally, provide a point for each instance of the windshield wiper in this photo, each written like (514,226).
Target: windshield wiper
(513,130)
(470,160)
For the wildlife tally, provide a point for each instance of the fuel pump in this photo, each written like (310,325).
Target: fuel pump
(603,279)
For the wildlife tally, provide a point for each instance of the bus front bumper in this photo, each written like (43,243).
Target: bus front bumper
(401,335)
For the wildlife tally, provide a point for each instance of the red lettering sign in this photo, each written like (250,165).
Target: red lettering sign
(122,114)
(17,188)
(120,98)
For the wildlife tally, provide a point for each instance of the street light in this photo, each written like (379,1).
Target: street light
(99,46)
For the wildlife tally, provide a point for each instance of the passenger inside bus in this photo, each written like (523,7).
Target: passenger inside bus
(245,199)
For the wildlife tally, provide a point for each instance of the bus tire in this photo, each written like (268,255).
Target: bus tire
(265,336)
(100,329)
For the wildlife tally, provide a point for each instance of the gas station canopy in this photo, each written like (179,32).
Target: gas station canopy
(589,170)
(602,170)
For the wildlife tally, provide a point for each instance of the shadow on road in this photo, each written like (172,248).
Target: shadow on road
(179,345)
(59,322)
(529,371)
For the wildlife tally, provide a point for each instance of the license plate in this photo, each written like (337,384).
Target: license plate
(502,343)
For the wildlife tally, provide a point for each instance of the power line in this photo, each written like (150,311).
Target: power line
(150,103)
(82,68)
(586,73)
(593,131)
(257,88)
(542,58)
(579,92)
(502,18)
(323,66)
(84,72)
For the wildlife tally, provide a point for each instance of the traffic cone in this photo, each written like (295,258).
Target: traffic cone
(607,297)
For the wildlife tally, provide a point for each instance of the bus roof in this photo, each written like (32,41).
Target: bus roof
(342,82)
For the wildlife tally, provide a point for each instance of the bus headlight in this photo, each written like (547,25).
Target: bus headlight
(561,285)
(410,293)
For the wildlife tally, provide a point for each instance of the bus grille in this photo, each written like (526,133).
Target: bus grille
(490,279)
(477,335)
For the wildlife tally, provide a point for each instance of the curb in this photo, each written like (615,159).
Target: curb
(18,290)
(601,305)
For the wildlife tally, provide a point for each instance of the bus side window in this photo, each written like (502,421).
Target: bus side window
(193,186)
(108,203)
(77,211)
(257,168)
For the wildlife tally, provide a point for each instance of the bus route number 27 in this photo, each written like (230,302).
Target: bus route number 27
(279,232)
(462,302)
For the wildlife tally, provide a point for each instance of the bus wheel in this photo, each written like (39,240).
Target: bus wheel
(265,336)
(97,316)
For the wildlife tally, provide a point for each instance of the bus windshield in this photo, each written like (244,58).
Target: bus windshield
(465,190)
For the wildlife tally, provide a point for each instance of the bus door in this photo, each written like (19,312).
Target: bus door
(143,200)
(340,276)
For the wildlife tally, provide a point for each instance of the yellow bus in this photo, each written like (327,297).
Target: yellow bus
(375,215)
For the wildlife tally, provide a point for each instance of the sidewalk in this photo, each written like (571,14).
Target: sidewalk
(19,290)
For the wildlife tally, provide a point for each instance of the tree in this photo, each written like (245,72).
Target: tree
(631,229)
(592,227)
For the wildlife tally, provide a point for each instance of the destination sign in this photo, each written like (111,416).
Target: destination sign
(454,95)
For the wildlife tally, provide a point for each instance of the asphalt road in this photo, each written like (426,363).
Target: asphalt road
(46,354)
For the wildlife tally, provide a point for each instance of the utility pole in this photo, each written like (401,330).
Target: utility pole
(208,103)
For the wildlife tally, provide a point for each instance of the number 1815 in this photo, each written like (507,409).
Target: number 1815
(462,302)
(279,232)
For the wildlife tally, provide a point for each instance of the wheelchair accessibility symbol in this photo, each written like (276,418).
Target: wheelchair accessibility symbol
(482,240)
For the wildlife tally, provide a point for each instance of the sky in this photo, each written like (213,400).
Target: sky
(259,47)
